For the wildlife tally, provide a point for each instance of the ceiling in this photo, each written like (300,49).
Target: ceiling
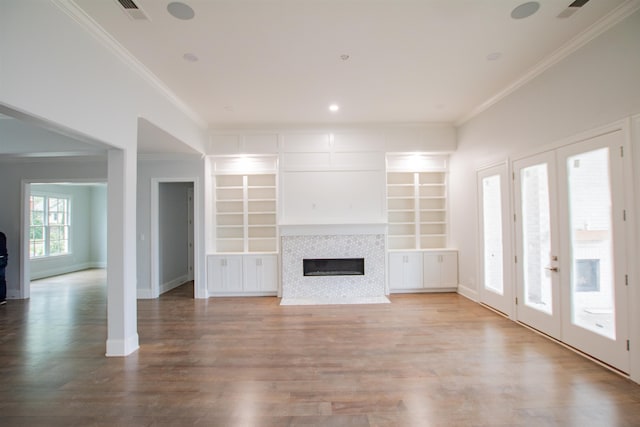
(256,62)
(283,62)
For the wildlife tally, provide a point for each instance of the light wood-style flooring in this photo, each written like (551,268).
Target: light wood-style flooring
(423,360)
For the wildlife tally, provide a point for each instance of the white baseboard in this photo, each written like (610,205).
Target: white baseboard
(66,269)
(466,292)
(422,291)
(122,347)
(144,294)
(167,286)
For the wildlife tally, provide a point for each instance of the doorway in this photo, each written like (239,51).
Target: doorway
(65,228)
(173,235)
(571,239)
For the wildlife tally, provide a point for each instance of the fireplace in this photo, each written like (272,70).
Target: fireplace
(325,264)
(333,267)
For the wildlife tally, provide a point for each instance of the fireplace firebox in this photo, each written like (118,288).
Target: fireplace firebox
(333,267)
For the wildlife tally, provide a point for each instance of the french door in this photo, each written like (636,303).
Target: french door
(570,235)
(495,286)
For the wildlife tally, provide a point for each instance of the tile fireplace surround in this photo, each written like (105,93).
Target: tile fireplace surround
(301,242)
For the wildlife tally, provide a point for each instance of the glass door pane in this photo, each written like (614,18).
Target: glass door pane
(492,234)
(590,224)
(536,236)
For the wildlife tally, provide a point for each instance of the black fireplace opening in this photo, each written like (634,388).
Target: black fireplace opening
(333,267)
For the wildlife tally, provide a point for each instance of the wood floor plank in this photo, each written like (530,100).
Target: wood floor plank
(423,360)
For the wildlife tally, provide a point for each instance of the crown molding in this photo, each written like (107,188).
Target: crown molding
(71,9)
(599,27)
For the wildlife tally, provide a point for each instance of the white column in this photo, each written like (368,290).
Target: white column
(122,334)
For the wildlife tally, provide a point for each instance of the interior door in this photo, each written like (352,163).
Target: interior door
(496,289)
(593,262)
(538,275)
(571,239)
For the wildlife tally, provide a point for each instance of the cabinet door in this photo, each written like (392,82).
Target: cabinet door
(431,270)
(260,273)
(449,269)
(405,270)
(225,274)
(440,269)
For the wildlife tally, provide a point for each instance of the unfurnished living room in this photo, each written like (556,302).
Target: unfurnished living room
(320,212)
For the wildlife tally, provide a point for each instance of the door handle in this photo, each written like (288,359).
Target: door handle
(551,268)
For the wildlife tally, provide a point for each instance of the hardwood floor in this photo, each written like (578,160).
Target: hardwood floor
(424,360)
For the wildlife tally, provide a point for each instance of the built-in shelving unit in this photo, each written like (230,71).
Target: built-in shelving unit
(417,204)
(246,207)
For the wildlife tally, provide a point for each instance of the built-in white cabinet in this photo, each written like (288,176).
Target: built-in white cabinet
(423,271)
(405,270)
(235,275)
(440,269)
(417,209)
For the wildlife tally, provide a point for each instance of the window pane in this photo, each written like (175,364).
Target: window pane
(536,236)
(49,232)
(592,278)
(492,233)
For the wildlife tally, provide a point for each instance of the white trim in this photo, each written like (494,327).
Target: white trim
(469,293)
(122,347)
(605,23)
(144,294)
(634,290)
(172,284)
(43,274)
(71,9)
(618,125)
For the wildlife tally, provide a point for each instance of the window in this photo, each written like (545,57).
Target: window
(49,227)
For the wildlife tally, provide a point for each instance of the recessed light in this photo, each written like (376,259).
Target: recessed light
(494,56)
(525,10)
(180,10)
(344,57)
(334,107)
(190,57)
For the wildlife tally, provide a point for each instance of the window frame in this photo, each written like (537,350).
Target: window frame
(47,226)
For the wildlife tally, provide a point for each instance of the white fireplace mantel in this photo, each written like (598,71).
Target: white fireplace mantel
(332,229)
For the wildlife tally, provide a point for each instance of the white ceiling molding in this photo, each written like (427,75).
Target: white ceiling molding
(70,8)
(604,24)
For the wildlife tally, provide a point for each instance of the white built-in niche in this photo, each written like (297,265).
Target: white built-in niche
(417,201)
(245,204)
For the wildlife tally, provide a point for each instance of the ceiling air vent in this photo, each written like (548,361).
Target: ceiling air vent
(572,8)
(132,10)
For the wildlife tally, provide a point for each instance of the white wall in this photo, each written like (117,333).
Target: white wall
(86,228)
(152,171)
(594,86)
(54,69)
(332,175)
(13,174)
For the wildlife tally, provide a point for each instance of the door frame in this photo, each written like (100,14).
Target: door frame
(154,238)
(549,324)
(502,168)
(575,335)
(630,127)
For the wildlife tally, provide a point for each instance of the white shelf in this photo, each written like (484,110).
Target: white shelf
(246,207)
(416,209)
